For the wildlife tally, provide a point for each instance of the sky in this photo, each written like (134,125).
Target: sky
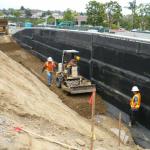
(78,5)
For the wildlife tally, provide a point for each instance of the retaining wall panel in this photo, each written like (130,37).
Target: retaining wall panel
(116,43)
(131,62)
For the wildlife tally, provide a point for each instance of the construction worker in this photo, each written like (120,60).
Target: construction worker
(135,103)
(49,66)
(71,63)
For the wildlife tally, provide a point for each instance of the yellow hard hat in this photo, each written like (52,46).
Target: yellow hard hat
(77,58)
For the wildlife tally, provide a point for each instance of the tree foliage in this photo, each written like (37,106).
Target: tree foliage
(5,12)
(50,20)
(132,6)
(143,12)
(113,10)
(106,14)
(1,13)
(69,15)
(16,13)
(22,8)
(110,14)
(95,13)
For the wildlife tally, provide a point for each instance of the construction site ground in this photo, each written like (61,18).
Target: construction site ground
(36,117)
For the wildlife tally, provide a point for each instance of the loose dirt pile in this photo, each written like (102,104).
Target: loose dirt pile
(26,103)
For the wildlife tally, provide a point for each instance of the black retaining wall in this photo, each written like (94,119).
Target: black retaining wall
(114,64)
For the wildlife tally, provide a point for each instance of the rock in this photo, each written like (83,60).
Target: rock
(123,137)
(80,142)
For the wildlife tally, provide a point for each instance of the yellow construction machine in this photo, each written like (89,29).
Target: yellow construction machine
(4,26)
(67,76)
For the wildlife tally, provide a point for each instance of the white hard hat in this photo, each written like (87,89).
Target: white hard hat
(135,89)
(49,59)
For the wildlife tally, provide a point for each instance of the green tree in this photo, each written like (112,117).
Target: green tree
(50,20)
(69,15)
(132,7)
(11,11)
(148,16)
(17,14)
(126,22)
(5,12)
(1,13)
(113,10)
(143,12)
(22,8)
(95,13)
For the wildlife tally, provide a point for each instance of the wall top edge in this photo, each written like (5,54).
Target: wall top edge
(107,35)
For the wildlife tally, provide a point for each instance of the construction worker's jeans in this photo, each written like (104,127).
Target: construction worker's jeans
(133,116)
(49,78)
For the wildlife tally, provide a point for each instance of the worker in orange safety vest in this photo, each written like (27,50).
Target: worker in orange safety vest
(135,103)
(49,66)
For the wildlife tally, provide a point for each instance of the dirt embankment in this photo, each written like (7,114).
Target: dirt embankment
(27,103)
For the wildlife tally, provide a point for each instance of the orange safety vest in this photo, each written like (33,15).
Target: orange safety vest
(49,66)
(135,101)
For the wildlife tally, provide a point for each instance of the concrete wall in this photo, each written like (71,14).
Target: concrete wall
(115,64)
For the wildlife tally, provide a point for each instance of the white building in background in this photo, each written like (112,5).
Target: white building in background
(36,13)
(81,19)
(57,16)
